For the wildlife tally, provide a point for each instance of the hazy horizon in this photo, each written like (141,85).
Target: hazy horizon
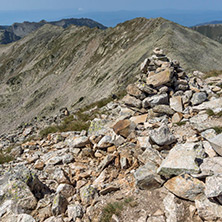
(110,18)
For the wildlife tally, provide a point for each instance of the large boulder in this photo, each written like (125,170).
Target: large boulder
(213,189)
(216,143)
(198,98)
(211,166)
(182,158)
(124,127)
(176,103)
(160,78)
(174,209)
(208,210)
(21,189)
(162,136)
(134,91)
(146,177)
(155,100)
(185,186)
(132,101)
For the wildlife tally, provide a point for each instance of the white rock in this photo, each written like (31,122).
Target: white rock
(214,187)
(174,210)
(208,210)
(181,159)
(216,143)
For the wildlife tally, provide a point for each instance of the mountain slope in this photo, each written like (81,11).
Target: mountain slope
(213,31)
(19,30)
(55,67)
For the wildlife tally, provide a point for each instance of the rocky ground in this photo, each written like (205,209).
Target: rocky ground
(154,156)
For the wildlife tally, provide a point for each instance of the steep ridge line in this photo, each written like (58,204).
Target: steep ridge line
(53,68)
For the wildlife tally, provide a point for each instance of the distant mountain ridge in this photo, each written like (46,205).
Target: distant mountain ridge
(17,31)
(212,30)
(209,23)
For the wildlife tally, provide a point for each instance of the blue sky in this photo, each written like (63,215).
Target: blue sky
(103,5)
(185,12)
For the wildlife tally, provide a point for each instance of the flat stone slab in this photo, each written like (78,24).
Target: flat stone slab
(211,166)
(216,143)
(160,78)
(212,104)
(181,159)
(214,187)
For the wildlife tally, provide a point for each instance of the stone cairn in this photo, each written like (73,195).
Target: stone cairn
(154,154)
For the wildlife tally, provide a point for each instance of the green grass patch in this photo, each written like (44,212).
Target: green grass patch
(115,208)
(81,119)
(213,73)
(210,112)
(218,129)
(5,158)
(180,123)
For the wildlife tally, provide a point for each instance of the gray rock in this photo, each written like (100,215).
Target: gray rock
(144,65)
(151,155)
(133,90)
(77,141)
(174,209)
(155,100)
(87,194)
(187,96)
(67,158)
(163,109)
(59,175)
(21,187)
(105,162)
(146,177)
(181,159)
(185,186)
(75,211)
(200,122)
(198,98)
(66,190)
(211,166)
(98,127)
(159,79)
(105,142)
(54,219)
(208,134)
(212,104)
(159,218)
(123,163)
(132,101)
(143,142)
(162,136)
(176,103)
(214,187)
(59,205)
(216,143)
(145,88)
(208,210)
(18,218)
(208,149)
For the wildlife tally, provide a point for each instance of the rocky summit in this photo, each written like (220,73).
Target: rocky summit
(152,156)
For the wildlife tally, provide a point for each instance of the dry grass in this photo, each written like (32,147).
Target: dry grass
(213,73)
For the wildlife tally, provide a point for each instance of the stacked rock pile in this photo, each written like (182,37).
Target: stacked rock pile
(155,155)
